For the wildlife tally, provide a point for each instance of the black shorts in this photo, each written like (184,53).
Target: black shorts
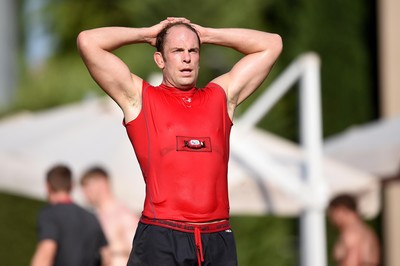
(159,246)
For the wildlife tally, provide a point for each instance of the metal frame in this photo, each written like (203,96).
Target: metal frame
(313,191)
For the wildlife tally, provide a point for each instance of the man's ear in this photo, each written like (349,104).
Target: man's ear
(158,58)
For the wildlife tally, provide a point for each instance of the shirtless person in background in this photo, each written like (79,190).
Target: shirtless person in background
(358,244)
(118,222)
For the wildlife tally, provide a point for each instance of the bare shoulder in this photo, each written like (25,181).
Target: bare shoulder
(353,236)
(370,235)
(222,81)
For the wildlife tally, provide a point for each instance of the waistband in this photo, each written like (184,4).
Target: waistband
(188,227)
(196,229)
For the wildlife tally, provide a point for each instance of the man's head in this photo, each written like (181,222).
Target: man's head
(59,179)
(163,35)
(178,55)
(95,184)
(341,209)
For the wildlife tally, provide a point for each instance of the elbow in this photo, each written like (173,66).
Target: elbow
(83,40)
(274,47)
(276,44)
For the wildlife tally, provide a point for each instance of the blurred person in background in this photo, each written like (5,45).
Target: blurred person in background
(357,244)
(68,234)
(180,133)
(118,222)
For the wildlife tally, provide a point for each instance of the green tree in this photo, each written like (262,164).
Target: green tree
(340,31)
(343,34)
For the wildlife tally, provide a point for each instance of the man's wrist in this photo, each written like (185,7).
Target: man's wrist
(206,35)
(141,35)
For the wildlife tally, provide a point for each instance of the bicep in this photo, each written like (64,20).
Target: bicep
(249,72)
(352,245)
(243,79)
(45,253)
(110,73)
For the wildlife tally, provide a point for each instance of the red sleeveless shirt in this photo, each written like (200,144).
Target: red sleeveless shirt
(181,140)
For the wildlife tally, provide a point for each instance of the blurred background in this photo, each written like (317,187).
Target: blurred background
(42,79)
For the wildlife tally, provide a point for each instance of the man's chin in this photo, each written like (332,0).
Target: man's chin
(186,86)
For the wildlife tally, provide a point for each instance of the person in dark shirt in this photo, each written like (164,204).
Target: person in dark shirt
(68,235)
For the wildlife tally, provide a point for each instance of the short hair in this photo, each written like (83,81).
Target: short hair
(344,200)
(94,172)
(59,178)
(162,35)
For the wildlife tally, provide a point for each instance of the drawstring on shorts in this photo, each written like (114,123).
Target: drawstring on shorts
(199,246)
(195,229)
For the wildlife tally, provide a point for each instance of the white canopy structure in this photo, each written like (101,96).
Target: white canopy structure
(265,176)
(79,135)
(373,147)
(91,133)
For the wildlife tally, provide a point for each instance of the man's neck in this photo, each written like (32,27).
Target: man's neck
(106,202)
(60,197)
(352,221)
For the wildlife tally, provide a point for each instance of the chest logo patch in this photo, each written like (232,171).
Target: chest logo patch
(194,144)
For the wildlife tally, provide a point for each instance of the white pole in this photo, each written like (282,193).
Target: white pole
(312,220)
(271,96)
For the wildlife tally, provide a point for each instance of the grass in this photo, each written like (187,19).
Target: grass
(17,229)
(265,240)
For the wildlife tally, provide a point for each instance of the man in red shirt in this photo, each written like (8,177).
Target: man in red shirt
(180,133)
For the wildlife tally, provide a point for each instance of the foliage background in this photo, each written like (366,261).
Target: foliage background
(342,32)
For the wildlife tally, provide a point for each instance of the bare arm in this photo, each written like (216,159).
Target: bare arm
(105,254)
(96,47)
(261,50)
(45,253)
(352,245)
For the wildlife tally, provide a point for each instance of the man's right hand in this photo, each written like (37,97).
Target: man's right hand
(156,29)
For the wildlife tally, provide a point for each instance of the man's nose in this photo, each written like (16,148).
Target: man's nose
(186,57)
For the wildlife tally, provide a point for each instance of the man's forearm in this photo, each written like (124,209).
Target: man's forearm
(246,41)
(45,253)
(111,38)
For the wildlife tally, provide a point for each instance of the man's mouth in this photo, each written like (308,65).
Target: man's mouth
(186,70)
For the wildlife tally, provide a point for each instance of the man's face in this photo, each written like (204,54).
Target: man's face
(337,216)
(180,63)
(91,191)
